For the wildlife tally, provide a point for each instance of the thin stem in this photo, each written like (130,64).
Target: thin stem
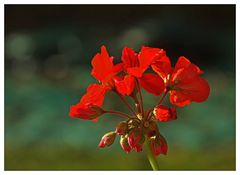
(118,113)
(150,155)
(134,97)
(141,99)
(127,104)
(164,95)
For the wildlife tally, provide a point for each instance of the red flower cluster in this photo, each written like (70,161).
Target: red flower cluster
(182,82)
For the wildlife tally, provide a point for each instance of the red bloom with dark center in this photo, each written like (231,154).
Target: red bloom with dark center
(104,71)
(183,82)
(164,113)
(134,66)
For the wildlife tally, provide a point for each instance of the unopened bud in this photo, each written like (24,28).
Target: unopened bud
(122,128)
(164,114)
(124,144)
(107,139)
(135,140)
(138,148)
(158,145)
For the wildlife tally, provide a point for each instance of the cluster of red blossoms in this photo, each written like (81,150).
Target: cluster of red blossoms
(182,82)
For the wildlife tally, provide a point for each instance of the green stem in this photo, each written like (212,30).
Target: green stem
(150,155)
(164,95)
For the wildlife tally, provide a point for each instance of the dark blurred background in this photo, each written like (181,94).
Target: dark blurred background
(48,49)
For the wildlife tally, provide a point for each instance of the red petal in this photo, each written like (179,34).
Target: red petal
(179,99)
(147,55)
(162,66)
(124,85)
(95,95)
(129,58)
(82,111)
(152,83)
(183,62)
(102,65)
(197,90)
(184,75)
(135,71)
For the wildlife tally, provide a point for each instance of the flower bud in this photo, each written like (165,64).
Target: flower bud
(135,140)
(124,144)
(138,148)
(164,114)
(158,145)
(122,128)
(107,139)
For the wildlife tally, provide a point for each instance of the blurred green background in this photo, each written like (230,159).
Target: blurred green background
(48,49)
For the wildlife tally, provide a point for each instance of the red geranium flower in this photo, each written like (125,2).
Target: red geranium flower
(134,66)
(93,97)
(103,70)
(183,82)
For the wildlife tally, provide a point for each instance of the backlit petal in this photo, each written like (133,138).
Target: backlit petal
(147,55)
(135,71)
(124,85)
(95,95)
(179,99)
(129,58)
(102,65)
(162,66)
(197,90)
(152,83)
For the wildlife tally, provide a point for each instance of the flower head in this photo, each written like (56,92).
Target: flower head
(183,82)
